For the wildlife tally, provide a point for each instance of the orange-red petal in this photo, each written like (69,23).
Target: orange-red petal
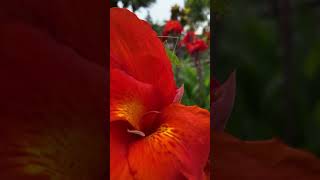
(179,148)
(235,159)
(130,99)
(51,109)
(136,50)
(120,140)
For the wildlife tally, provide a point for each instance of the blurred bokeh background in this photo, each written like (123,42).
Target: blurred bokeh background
(191,66)
(275,47)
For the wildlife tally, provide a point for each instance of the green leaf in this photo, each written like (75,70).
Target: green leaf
(311,63)
(172,56)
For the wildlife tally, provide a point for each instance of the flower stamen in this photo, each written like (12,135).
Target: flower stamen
(137,132)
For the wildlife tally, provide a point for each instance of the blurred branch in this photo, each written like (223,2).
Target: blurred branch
(272,9)
(286,42)
(217,25)
(204,61)
(199,68)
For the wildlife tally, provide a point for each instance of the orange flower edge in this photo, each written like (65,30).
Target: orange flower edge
(271,159)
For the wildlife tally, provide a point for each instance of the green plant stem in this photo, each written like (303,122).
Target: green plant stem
(199,69)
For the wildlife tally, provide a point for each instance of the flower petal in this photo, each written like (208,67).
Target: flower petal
(136,50)
(119,142)
(179,149)
(188,38)
(74,23)
(235,159)
(51,108)
(172,26)
(130,99)
(197,46)
(223,102)
(179,94)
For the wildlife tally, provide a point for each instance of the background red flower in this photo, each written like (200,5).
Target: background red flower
(172,26)
(196,46)
(188,38)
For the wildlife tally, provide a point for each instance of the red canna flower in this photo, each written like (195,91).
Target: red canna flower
(172,26)
(196,46)
(52,87)
(153,136)
(188,38)
(250,160)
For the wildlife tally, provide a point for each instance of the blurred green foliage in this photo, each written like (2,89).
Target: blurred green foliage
(199,10)
(248,39)
(219,7)
(191,85)
(173,57)
(186,75)
(189,78)
(183,64)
